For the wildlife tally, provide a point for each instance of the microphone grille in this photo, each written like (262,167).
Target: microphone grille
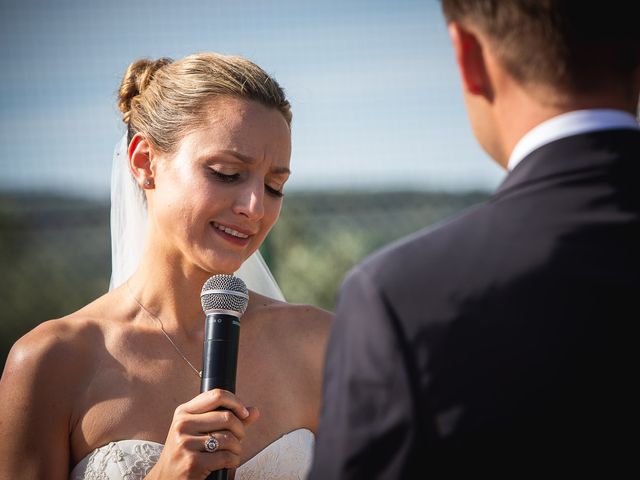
(225,293)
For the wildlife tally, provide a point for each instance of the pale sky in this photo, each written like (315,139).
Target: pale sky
(373,85)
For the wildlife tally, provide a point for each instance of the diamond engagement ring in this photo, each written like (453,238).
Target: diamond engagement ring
(211,444)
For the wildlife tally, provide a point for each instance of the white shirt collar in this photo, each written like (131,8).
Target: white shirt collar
(568,124)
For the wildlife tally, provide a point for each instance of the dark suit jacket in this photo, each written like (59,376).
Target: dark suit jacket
(502,341)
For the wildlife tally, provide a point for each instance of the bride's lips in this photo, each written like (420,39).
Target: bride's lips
(234,234)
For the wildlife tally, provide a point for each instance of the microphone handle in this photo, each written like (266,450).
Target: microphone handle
(218,475)
(220,359)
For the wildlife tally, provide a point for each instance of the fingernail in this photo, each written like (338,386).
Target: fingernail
(245,412)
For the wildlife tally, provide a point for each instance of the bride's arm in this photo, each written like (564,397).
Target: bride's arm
(35,405)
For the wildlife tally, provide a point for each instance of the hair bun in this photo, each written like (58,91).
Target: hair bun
(136,79)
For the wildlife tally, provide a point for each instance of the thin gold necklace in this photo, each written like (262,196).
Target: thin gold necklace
(198,372)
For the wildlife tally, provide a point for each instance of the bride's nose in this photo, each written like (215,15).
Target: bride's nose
(250,201)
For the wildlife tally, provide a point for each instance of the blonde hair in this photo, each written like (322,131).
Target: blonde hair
(164,99)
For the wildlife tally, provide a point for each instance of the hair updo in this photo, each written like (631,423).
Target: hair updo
(165,99)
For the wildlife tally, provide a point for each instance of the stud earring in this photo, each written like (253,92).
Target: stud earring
(148,183)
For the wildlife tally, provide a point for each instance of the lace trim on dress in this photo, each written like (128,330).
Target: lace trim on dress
(288,458)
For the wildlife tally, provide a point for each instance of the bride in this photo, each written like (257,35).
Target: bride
(111,391)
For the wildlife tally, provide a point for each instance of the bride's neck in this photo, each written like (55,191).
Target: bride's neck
(171,294)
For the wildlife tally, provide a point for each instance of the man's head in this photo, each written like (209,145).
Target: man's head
(571,45)
(522,61)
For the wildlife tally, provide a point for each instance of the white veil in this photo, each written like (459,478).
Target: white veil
(128,231)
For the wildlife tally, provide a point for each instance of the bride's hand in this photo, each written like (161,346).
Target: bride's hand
(184,455)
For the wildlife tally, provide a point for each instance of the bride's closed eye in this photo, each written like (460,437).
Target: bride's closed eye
(274,191)
(230,178)
(224,177)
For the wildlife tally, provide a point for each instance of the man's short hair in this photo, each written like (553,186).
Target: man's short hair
(570,45)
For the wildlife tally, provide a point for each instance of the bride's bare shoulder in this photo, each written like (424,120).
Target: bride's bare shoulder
(63,346)
(292,338)
(44,377)
(293,326)
(279,314)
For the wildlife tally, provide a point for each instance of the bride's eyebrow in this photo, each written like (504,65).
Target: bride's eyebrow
(240,156)
(250,160)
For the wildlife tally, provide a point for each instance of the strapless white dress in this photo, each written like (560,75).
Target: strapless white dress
(287,458)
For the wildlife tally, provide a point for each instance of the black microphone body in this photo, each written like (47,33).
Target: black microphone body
(220,359)
(220,352)
(224,300)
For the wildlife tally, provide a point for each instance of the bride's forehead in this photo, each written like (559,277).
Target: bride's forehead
(262,138)
(206,146)
(238,118)
(250,131)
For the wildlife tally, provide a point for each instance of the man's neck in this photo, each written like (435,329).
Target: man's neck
(518,111)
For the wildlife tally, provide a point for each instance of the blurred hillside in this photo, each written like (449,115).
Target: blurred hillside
(55,253)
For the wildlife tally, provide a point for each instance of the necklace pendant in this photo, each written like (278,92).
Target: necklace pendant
(200,373)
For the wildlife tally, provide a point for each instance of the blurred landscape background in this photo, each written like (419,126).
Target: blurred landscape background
(55,251)
(381,142)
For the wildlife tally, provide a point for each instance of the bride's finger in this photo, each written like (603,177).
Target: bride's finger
(212,442)
(218,420)
(220,450)
(218,441)
(218,460)
(214,399)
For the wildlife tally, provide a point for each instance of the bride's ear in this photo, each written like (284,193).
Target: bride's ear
(140,153)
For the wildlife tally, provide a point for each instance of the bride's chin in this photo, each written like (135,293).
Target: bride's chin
(219,263)
(226,268)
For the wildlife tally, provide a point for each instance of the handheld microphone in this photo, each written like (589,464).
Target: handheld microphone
(224,299)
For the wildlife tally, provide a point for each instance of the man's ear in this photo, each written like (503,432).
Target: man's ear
(471,60)
(140,153)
